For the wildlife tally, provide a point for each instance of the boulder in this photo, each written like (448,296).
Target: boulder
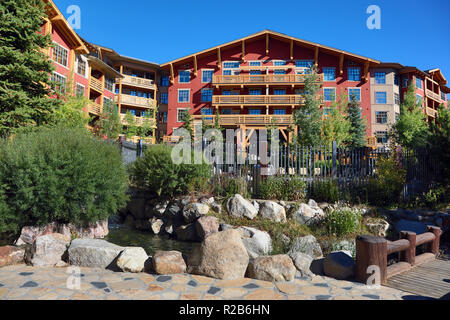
(221,256)
(93,253)
(156,225)
(207,201)
(339,265)
(160,208)
(272,211)
(168,262)
(48,250)
(239,207)
(302,262)
(132,259)
(307,215)
(216,207)
(193,211)
(313,204)
(206,226)
(10,255)
(272,268)
(256,205)
(187,233)
(173,210)
(378,227)
(258,243)
(224,227)
(307,245)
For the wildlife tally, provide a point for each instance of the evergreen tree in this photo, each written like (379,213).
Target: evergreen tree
(336,125)
(187,118)
(109,125)
(25,85)
(411,129)
(357,124)
(308,117)
(131,128)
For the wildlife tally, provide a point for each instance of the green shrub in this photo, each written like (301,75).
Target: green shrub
(159,175)
(228,187)
(281,188)
(342,222)
(324,191)
(436,198)
(59,175)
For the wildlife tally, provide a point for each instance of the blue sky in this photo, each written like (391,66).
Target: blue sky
(412,32)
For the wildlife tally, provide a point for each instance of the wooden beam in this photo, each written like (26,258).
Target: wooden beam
(267,43)
(57,18)
(219,58)
(341,64)
(195,65)
(316,57)
(366,71)
(243,50)
(172,74)
(292,49)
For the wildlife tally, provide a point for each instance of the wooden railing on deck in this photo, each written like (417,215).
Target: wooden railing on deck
(262,79)
(247,119)
(96,84)
(258,100)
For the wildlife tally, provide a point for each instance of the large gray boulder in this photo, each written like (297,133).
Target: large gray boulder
(47,251)
(339,265)
(258,243)
(272,268)
(132,259)
(307,215)
(206,226)
(10,255)
(307,245)
(93,253)
(378,227)
(168,262)
(303,263)
(193,211)
(239,207)
(272,211)
(221,256)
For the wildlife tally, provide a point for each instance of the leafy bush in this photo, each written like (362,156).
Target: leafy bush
(342,222)
(324,191)
(159,175)
(59,175)
(280,188)
(228,187)
(435,198)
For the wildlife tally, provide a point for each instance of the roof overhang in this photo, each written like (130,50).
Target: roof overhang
(438,76)
(106,69)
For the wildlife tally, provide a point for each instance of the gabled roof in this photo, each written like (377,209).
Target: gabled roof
(438,74)
(274,35)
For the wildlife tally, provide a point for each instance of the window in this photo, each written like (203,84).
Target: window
(59,83)
(255,111)
(418,83)
(226,111)
(60,54)
(108,105)
(304,63)
(397,99)
(397,116)
(255,63)
(353,74)
(329,74)
(380,97)
(396,80)
(329,94)
(208,112)
(183,95)
(81,66)
(279,111)
(164,117)
(380,77)
(405,81)
(442,96)
(356,92)
(207,95)
(207,76)
(382,137)
(279,71)
(255,72)
(255,92)
(326,111)
(109,84)
(419,99)
(79,90)
(180,114)
(279,62)
(165,81)
(231,65)
(279,92)
(184,76)
(164,97)
(381,117)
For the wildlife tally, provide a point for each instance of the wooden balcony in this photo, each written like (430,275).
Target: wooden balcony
(371,142)
(96,84)
(247,119)
(262,79)
(139,82)
(433,95)
(139,121)
(135,101)
(255,100)
(94,108)
(431,112)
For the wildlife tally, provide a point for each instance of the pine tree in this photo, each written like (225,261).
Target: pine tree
(131,128)
(25,86)
(308,117)
(411,129)
(357,124)
(336,125)
(187,118)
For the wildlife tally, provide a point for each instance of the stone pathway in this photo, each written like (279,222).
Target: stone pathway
(23,282)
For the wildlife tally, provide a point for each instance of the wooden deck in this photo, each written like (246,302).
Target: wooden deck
(431,279)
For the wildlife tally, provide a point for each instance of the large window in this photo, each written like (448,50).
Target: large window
(230,68)
(279,92)
(165,81)
(60,54)
(353,74)
(180,114)
(207,76)
(164,97)
(381,117)
(81,66)
(255,111)
(382,137)
(304,63)
(79,90)
(59,83)
(184,76)
(418,83)
(380,77)
(380,97)
(356,92)
(329,74)
(255,92)
(279,111)
(183,95)
(396,80)
(329,94)
(405,81)
(419,99)
(207,95)
(109,84)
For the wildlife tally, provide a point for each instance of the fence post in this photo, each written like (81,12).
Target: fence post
(409,255)
(370,252)
(433,247)
(334,162)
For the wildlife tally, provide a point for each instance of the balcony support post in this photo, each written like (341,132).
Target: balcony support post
(341,64)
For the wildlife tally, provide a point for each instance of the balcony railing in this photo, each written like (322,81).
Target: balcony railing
(431,112)
(247,119)
(371,142)
(139,121)
(136,101)
(96,84)
(94,108)
(433,95)
(258,100)
(139,82)
(262,79)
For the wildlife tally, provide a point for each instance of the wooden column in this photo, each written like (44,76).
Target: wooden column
(366,71)
(409,255)
(243,51)
(370,251)
(292,49)
(341,64)
(172,74)
(433,247)
(267,43)
(316,56)
(219,58)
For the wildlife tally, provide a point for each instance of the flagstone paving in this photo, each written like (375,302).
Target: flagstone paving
(23,282)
